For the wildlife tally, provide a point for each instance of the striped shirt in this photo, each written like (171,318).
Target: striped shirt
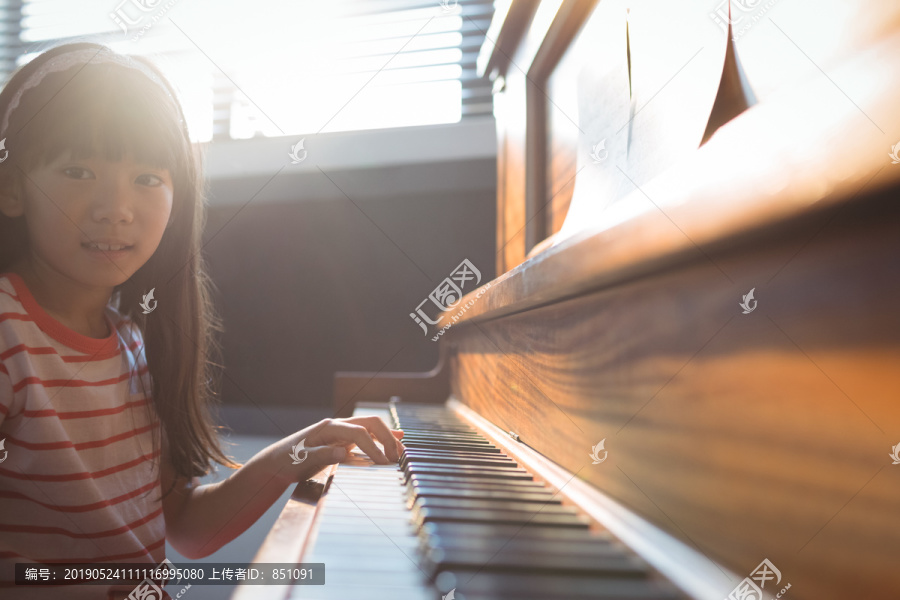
(78,479)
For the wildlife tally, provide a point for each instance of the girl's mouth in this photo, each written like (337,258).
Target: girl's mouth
(107,250)
(105,247)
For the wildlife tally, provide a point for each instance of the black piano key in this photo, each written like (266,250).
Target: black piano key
(496,473)
(452,469)
(474,585)
(463,446)
(444,441)
(449,433)
(588,546)
(533,560)
(449,459)
(464,481)
(537,534)
(434,437)
(432,420)
(452,482)
(445,430)
(471,467)
(481,504)
(452,452)
(475,485)
(544,497)
(456,438)
(428,420)
(428,515)
(425,426)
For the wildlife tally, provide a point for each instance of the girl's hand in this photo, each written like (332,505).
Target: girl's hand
(329,441)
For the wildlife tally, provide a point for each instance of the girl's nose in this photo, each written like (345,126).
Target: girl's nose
(113,201)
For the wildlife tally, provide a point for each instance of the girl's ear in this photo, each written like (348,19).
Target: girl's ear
(11,205)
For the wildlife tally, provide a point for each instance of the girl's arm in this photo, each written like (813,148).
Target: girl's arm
(200,519)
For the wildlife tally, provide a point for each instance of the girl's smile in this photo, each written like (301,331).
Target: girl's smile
(106,254)
(101,248)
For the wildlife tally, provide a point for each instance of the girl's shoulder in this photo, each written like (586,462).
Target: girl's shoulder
(12,314)
(12,311)
(8,297)
(8,306)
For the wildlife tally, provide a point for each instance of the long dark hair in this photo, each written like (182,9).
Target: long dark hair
(106,109)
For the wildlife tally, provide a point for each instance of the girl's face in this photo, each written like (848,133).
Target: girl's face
(72,203)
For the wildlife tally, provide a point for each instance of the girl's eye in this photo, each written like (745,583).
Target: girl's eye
(78,173)
(149,179)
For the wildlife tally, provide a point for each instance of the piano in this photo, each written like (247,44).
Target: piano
(685,382)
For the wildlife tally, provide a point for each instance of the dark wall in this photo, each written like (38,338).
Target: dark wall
(317,274)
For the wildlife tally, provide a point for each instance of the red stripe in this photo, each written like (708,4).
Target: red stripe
(74,358)
(85,536)
(81,474)
(17,316)
(82,507)
(110,558)
(72,383)
(82,445)
(29,350)
(84,414)
(69,358)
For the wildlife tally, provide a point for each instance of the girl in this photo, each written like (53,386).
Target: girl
(106,348)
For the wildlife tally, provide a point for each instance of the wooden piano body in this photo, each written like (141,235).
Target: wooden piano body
(653,171)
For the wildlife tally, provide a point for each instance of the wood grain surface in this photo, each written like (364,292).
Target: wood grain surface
(748,436)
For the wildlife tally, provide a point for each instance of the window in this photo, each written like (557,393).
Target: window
(287,67)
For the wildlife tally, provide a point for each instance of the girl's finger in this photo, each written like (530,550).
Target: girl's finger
(359,435)
(399,435)
(378,428)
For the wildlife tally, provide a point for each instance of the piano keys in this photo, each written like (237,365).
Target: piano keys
(445,520)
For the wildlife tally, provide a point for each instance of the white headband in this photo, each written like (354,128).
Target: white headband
(67,60)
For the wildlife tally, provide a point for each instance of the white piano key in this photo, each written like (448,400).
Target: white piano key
(361,592)
(355,546)
(371,512)
(367,527)
(377,561)
(400,576)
